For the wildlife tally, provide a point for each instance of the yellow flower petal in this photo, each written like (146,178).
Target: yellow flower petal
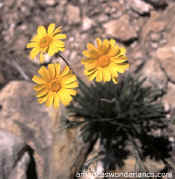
(58,43)
(55,46)
(43,92)
(122,51)
(34,52)
(86,53)
(61,49)
(89,64)
(42,99)
(57,68)
(91,47)
(58,30)
(65,71)
(49,101)
(92,75)
(41,58)
(41,31)
(112,52)
(104,61)
(39,87)
(71,85)
(69,78)
(51,68)
(56,102)
(44,73)
(46,41)
(87,61)
(38,80)
(105,43)
(51,28)
(53,86)
(32,44)
(121,68)
(65,99)
(90,53)
(118,60)
(60,36)
(113,42)
(99,76)
(89,72)
(70,92)
(106,75)
(115,79)
(35,38)
(51,50)
(99,42)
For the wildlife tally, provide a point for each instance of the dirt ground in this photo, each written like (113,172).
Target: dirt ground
(82,21)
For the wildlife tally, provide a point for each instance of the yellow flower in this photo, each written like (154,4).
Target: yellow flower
(105,61)
(46,41)
(55,86)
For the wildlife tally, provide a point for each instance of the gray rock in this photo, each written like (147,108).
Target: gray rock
(169,98)
(121,29)
(14,158)
(155,75)
(73,14)
(61,153)
(140,6)
(157,3)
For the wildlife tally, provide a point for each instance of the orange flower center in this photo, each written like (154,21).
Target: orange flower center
(45,41)
(55,85)
(103,61)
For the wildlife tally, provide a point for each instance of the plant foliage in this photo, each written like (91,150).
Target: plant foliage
(119,114)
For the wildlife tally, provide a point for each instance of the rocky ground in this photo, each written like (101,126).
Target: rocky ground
(144,27)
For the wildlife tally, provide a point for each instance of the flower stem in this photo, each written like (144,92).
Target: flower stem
(66,62)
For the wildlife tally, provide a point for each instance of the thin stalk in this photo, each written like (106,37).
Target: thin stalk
(65,61)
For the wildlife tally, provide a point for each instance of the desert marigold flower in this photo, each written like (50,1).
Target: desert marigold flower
(46,41)
(55,86)
(105,61)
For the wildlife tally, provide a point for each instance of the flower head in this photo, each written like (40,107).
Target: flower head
(105,61)
(46,41)
(55,86)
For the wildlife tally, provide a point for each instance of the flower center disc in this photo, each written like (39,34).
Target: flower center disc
(55,86)
(45,41)
(103,61)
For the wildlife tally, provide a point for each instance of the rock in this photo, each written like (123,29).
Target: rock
(51,2)
(102,18)
(47,2)
(166,53)
(155,24)
(87,23)
(23,116)
(140,7)
(160,27)
(136,58)
(34,123)
(14,157)
(169,98)
(166,56)
(120,29)
(155,75)
(20,42)
(73,14)
(157,3)
(155,37)
(2,78)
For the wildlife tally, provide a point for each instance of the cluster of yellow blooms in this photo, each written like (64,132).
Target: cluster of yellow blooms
(102,62)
